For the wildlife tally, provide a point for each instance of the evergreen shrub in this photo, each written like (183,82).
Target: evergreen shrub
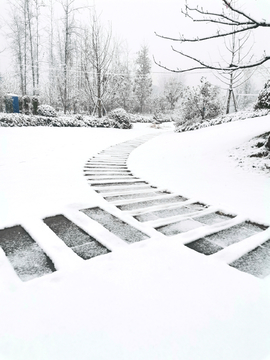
(46,110)
(263,101)
(121,118)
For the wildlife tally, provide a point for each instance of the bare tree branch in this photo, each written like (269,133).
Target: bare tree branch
(241,24)
(205,66)
(217,35)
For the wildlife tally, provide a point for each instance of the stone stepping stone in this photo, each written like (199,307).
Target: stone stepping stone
(120,183)
(123,189)
(109,163)
(255,262)
(133,196)
(214,218)
(149,203)
(110,177)
(235,234)
(224,238)
(106,171)
(75,238)
(179,227)
(204,246)
(118,227)
(105,166)
(25,255)
(183,210)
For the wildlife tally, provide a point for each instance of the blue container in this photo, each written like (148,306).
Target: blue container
(12,103)
(16,108)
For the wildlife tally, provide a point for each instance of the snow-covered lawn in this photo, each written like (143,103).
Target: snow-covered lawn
(152,300)
(198,164)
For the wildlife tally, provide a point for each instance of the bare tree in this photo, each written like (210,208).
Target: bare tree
(19,40)
(17,36)
(66,50)
(233,25)
(173,91)
(98,51)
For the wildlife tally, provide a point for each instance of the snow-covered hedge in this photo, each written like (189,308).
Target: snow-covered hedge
(12,120)
(138,118)
(121,118)
(241,115)
(46,110)
(160,118)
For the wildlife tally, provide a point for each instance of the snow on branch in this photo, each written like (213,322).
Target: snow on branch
(239,21)
(203,65)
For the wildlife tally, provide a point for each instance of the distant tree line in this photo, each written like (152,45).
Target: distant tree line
(73,62)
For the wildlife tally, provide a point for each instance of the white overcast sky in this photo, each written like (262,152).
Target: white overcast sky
(136,21)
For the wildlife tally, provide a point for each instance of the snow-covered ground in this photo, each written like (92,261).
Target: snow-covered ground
(199,164)
(155,299)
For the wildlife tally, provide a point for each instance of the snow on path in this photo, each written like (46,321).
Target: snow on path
(196,164)
(151,300)
(41,168)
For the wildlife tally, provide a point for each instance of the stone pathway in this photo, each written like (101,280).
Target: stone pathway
(135,210)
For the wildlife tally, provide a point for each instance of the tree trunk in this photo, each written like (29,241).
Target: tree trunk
(267,145)
(31,48)
(228,101)
(99,104)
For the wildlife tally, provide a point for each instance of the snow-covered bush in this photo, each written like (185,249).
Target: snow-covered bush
(201,102)
(160,117)
(26,103)
(134,118)
(46,110)
(263,101)
(121,118)
(35,104)
(241,115)
(10,120)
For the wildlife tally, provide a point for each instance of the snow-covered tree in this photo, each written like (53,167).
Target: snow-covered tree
(173,91)
(263,101)
(201,102)
(143,80)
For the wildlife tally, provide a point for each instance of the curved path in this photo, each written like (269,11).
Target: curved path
(203,228)
(131,210)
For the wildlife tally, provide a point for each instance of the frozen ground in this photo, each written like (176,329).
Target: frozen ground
(155,299)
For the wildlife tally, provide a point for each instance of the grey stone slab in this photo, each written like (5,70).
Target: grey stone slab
(154,215)
(103,190)
(256,262)
(148,203)
(97,172)
(25,255)
(204,246)
(120,183)
(234,234)
(179,227)
(115,225)
(67,231)
(90,250)
(214,218)
(134,196)
(105,166)
(114,177)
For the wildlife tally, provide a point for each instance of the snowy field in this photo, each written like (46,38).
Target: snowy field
(152,300)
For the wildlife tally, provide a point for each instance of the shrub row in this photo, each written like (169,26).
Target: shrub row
(138,118)
(13,120)
(241,115)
